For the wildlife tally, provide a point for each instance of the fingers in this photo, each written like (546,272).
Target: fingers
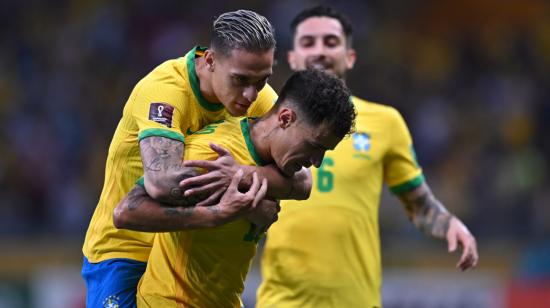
(469,256)
(253,188)
(220,150)
(199,180)
(212,199)
(205,189)
(235,180)
(260,194)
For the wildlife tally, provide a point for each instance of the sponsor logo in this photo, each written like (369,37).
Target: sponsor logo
(161,113)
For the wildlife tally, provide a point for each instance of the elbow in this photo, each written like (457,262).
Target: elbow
(156,192)
(120,217)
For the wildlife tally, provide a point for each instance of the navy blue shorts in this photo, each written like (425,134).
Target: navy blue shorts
(112,283)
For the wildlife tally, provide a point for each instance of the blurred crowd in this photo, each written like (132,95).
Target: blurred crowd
(471,78)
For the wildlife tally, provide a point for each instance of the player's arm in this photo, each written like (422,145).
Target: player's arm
(297,187)
(432,218)
(138,211)
(163,170)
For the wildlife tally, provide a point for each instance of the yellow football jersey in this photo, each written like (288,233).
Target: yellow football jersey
(325,251)
(167,102)
(204,267)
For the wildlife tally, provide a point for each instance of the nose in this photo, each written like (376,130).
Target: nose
(250,93)
(319,48)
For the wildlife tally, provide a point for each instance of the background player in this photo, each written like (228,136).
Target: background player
(178,97)
(325,251)
(206,267)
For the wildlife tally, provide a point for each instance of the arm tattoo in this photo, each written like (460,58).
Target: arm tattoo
(135,198)
(162,161)
(178,211)
(428,214)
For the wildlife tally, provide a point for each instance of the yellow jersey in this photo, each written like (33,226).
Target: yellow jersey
(204,267)
(325,251)
(167,102)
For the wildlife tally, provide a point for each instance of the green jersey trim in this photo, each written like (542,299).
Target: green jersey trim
(408,186)
(159,132)
(249,144)
(141,182)
(195,84)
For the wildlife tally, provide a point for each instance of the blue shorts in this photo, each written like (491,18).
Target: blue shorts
(112,282)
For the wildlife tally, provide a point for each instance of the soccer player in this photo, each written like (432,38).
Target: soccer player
(177,98)
(205,266)
(325,251)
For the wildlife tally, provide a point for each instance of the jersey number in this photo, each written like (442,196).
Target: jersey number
(325,178)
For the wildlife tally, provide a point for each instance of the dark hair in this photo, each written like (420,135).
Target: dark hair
(324,11)
(242,29)
(320,97)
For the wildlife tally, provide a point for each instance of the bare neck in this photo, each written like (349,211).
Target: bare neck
(262,133)
(205,80)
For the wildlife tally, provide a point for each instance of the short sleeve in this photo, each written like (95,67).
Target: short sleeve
(264,102)
(401,170)
(157,108)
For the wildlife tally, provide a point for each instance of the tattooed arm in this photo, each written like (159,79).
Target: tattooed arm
(138,211)
(432,218)
(163,170)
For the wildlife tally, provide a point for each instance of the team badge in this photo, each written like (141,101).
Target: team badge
(111,302)
(361,141)
(161,113)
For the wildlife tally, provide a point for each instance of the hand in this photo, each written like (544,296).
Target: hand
(459,234)
(234,203)
(265,214)
(215,181)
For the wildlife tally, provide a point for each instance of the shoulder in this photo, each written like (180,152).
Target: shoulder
(374,108)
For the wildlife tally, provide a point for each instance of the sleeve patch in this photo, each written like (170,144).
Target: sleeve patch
(161,113)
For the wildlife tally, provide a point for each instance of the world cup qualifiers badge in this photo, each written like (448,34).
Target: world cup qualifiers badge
(161,113)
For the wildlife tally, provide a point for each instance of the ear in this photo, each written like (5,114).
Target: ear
(290,57)
(286,117)
(351,56)
(209,59)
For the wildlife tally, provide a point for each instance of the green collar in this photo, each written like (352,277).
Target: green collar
(249,144)
(195,83)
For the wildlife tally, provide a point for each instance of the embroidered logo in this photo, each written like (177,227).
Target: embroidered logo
(161,113)
(361,141)
(111,302)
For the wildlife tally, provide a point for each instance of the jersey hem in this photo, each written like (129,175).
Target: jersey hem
(408,186)
(159,132)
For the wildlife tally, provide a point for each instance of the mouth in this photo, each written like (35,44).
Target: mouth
(319,65)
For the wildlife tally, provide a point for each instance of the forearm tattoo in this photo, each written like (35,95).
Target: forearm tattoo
(162,160)
(135,198)
(428,214)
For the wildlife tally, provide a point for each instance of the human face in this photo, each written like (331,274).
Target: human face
(320,42)
(238,77)
(302,145)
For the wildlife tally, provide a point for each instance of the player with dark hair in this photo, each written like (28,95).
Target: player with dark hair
(205,264)
(325,251)
(177,98)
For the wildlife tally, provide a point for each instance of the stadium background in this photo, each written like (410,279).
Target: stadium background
(470,77)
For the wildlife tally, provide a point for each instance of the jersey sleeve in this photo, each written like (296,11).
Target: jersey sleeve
(401,170)
(157,108)
(264,102)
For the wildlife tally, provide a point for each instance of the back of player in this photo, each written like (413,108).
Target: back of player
(325,251)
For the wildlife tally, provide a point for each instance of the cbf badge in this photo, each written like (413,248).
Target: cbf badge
(161,113)
(361,141)
(111,302)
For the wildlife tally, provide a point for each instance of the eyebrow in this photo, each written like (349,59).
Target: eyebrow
(248,78)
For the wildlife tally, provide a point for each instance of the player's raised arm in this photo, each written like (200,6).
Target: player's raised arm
(138,211)
(432,218)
